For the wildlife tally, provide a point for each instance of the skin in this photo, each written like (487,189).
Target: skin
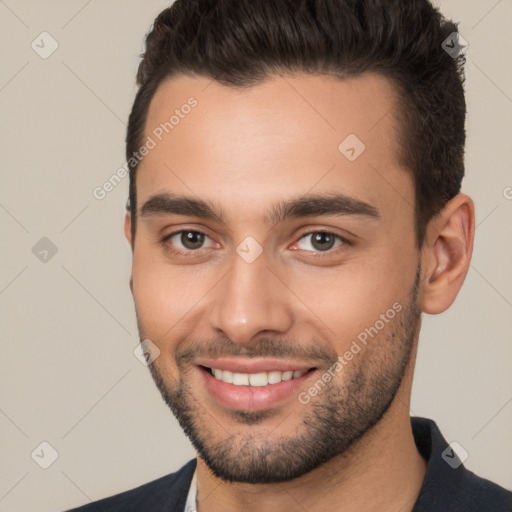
(242,151)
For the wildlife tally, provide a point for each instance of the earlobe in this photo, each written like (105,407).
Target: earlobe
(447,255)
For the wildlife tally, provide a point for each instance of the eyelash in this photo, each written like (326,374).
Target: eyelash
(317,254)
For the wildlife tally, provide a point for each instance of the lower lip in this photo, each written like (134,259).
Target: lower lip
(252,398)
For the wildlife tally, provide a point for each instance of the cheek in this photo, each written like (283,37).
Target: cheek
(349,299)
(164,296)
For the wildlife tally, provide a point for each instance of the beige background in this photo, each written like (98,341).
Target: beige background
(68,374)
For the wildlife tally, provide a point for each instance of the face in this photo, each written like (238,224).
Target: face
(275,267)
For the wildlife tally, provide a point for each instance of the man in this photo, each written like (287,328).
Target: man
(294,207)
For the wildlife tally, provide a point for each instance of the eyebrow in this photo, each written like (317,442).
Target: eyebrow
(304,206)
(171,204)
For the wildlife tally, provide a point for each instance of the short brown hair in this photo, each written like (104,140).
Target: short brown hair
(240,43)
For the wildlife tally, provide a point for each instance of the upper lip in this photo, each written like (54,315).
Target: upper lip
(253,365)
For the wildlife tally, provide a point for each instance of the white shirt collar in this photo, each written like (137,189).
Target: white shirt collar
(191,504)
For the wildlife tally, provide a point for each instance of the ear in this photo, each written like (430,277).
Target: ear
(446,255)
(128,227)
(128,235)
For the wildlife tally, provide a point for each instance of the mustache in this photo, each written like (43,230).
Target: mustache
(315,351)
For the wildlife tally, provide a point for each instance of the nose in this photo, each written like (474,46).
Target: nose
(250,300)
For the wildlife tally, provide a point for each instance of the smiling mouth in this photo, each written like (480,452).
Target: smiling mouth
(258,379)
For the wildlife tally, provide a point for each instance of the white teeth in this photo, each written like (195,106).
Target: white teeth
(258,379)
(226,376)
(239,379)
(274,377)
(255,379)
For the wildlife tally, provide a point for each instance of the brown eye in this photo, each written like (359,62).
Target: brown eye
(192,239)
(320,241)
(187,240)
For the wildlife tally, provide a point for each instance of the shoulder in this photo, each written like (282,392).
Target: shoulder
(465,492)
(167,493)
(448,485)
(481,494)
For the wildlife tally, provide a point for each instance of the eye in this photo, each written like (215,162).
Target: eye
(320,241)
(187,240)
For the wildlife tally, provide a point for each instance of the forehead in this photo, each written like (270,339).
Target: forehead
(286,136)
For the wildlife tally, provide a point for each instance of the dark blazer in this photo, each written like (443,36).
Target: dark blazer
(166,494)
(448,487)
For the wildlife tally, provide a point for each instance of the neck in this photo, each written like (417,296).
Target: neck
(383,471)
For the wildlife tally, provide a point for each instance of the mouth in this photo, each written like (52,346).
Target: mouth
(253,386)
